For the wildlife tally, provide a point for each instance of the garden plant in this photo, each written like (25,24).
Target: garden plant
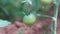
(28,12)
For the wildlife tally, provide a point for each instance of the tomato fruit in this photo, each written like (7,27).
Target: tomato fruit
(29,19)
(46,2)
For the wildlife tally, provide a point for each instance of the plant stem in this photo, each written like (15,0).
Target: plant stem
(54,24)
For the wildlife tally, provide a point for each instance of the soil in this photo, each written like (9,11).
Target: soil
(37,28)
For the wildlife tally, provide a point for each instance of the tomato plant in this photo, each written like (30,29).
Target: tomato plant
(29,19)
(24,9)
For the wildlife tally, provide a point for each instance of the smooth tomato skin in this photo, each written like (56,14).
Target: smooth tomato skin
(29,20)
(46,2)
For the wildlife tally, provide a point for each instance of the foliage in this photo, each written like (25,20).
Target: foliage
(4,23)
(20,8)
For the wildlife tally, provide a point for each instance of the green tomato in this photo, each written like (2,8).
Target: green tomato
(29,20)
(46,2)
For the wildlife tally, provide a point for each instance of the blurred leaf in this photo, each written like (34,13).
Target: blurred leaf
(3,2)
(5,14)
(5,11)
(0,1)
(4,23)
(16,3)
(36,4)
(20,14)
(29,2)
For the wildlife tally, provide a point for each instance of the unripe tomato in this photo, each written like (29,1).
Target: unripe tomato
(46,2)
(29,19)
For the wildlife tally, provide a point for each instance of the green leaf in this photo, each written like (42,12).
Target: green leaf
(5,11)
(36,4)
(16,3)
(3,2)
(0,1)
(4,23)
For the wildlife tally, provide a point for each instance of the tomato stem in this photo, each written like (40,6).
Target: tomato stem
(54,24)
